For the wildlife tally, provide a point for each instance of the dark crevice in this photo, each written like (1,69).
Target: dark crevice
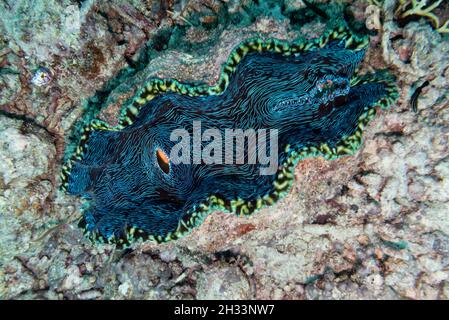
(316,9)
(27,121)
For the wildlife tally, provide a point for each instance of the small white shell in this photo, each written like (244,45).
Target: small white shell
(42,77)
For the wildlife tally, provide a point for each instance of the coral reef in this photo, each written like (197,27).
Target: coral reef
(374,225)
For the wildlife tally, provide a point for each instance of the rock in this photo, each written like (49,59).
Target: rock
(72,280)
(25,154)
(370,226)
(223,284)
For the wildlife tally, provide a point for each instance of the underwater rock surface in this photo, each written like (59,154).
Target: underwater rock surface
(373,225)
